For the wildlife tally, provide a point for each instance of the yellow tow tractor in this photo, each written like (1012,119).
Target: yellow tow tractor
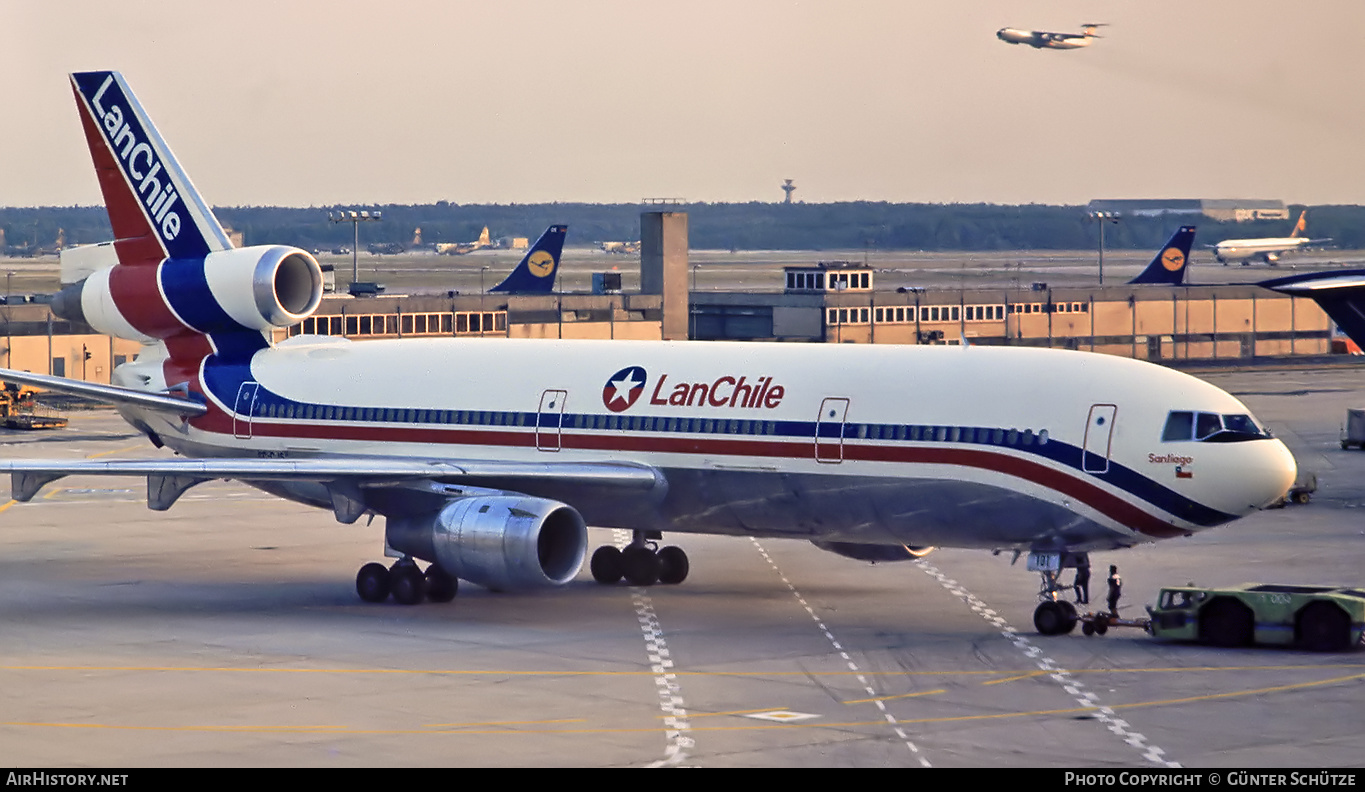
(19,409)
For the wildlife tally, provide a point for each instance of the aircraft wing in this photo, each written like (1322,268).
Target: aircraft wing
(109,394)
(167,479)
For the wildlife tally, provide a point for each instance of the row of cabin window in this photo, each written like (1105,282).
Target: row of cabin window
(404,324)
(950,434)
(838,281)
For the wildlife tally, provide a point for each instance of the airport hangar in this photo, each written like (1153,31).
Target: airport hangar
(834,302)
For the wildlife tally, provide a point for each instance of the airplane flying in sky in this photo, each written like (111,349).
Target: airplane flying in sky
(536,272)
(1169,265)
(488,459)
(1267,249)
(1041,39)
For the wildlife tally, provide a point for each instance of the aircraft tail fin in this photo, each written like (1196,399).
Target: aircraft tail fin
(1169,265)
(536,272)
(1340,294)
(153,207)
(483,238)
(1301,226)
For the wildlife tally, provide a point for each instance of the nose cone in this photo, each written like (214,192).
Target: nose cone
(1264,474)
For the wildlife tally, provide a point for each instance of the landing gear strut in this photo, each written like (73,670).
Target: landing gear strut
(405,582)
(640,563)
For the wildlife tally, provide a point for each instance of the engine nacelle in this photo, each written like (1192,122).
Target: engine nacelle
(498,541)
(874,552)
(254,288)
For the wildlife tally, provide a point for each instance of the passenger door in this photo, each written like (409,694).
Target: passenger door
(829,430)
(242,410)
(1099,434)
(548,419)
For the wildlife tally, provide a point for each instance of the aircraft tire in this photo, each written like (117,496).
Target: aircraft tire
(640,566)
(440,587)
(1087,629)
(372,583)
(1226,623)
(606,565)
(673,566)
(407,584)
(1049,619)
(1323,627)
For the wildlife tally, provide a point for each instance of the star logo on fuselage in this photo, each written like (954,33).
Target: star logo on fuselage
(623,388)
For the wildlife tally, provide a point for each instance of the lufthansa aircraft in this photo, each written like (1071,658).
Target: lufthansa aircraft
(1042,39)
(488,459)
(536,272)
(1168,266)
(1268,249)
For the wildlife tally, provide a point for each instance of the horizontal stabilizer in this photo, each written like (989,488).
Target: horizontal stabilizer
(107,394)
(1341,295)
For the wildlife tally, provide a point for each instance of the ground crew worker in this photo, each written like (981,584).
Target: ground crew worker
(1082,582)
(1115,589)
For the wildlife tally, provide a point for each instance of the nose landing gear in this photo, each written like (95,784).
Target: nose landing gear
(1054,615)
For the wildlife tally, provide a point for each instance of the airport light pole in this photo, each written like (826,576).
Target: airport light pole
(355,219)
(1102,218)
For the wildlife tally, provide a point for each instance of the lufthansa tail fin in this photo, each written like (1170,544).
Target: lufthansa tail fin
(536,272)
(1168,267)
(1301,226)
(153,207)
(1341,294)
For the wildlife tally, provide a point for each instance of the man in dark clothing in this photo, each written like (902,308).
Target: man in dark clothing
(1115,589)
(1082,582)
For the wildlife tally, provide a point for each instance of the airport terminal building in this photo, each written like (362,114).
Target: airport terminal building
(833,303)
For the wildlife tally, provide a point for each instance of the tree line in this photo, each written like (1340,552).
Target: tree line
(854,225)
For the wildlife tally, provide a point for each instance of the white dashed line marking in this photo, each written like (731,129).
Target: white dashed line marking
(1059,675)
(677,729)
(891,719)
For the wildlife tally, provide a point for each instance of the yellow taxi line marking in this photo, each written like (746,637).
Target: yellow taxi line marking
(7,505)
(1029,675)
(135,447)
(731,712)
(625,730)
(504,723)
(898,696)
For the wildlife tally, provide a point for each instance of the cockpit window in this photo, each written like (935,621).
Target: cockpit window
(1206,424)
(1211,427)
(1178,426)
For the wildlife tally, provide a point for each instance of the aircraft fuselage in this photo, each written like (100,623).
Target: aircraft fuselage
(950,446)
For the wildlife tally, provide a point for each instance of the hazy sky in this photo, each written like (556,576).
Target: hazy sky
(360,101)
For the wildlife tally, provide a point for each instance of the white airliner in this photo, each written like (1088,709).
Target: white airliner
(1042,39)
(487,459)
(1267,249)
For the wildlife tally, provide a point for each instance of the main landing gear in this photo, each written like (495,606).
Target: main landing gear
(405,582)
(640,563)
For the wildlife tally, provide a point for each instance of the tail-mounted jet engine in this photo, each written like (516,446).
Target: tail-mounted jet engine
(253,288)
(500,542)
